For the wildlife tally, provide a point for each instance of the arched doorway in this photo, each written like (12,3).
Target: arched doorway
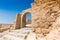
(26,19)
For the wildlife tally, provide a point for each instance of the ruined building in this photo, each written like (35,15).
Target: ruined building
(44,13)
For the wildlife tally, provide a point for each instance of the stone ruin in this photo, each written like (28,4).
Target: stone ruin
(44,14)
(20,20)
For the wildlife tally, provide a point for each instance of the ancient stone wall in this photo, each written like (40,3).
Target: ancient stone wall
(45,12)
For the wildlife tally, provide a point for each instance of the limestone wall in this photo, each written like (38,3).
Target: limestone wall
(44,12)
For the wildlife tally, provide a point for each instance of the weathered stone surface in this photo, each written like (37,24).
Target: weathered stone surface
(47,11)
(55,32)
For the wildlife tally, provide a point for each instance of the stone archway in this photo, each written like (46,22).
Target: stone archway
(23,17)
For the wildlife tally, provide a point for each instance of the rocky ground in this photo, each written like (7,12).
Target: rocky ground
(27,34)
(20,34)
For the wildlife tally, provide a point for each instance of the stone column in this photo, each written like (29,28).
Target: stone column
(17,23)
(23,20)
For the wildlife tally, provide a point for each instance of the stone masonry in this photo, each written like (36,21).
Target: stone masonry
(44,13)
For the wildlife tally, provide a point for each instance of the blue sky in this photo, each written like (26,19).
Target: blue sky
(9,9)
